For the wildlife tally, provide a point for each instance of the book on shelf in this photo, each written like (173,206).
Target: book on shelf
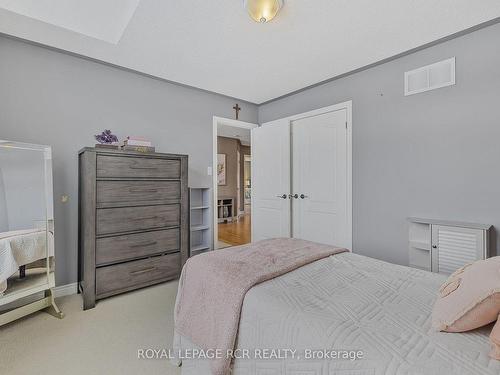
(138,148)
(137,138)
(132,142)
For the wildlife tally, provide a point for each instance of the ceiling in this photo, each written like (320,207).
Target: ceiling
(215,46)
(103,20)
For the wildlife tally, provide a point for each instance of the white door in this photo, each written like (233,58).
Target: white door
(320,180)
(271,180)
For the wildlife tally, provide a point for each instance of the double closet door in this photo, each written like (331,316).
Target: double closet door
(301,179)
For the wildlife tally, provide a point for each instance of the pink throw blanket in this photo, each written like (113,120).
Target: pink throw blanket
(212,288)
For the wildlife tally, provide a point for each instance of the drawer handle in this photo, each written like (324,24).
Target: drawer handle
(134,273)
(143,190)
(136,167)
(144,244)
(145,218)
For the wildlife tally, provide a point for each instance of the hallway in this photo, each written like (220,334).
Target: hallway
(237,232)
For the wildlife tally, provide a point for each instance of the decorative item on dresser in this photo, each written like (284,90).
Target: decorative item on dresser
(444,246)
(134,220)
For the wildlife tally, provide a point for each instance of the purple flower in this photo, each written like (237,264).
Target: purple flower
(106,137)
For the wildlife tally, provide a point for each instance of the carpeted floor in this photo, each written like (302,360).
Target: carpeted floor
(103,340)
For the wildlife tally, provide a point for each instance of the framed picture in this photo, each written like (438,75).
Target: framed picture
(221,169)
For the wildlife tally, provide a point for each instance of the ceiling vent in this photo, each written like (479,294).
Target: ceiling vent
(430,77)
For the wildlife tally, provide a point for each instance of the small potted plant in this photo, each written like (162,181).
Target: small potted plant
(106,140)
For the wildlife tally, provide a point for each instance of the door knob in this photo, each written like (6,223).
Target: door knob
(282,196)
(293,196)
(302,196)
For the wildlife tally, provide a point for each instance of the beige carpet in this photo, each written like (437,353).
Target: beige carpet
(100,341)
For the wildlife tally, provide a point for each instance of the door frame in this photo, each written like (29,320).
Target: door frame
(227,122)
(347,105)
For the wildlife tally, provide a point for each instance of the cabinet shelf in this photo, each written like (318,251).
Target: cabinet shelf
(200,227)
(199,248)
(200,220)
(420,245)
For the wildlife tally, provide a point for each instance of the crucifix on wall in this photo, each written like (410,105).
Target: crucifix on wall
(237,109)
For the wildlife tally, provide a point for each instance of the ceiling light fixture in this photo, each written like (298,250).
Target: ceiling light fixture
(263,10)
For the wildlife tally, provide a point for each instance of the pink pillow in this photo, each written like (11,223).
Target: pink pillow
(495,340)
(470,299)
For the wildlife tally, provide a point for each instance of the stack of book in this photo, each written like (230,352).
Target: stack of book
(139,144)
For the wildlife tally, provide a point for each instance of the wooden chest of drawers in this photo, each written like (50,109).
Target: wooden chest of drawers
(133,220)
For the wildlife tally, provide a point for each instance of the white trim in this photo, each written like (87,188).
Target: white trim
(65,290)
(228,122)
(336,107)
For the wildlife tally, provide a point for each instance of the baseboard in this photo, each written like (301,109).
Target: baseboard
(65,290)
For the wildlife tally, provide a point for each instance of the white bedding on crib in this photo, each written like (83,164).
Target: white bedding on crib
(348,301)
(18,248)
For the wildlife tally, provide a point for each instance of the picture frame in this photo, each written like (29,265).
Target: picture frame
(221,169)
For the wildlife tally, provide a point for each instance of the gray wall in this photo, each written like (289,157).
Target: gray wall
(434,154)
(51,98)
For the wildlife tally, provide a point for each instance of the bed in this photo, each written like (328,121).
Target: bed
(348,302)
(19,248)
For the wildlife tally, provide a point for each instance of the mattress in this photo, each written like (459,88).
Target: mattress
(346,304)
(19,248)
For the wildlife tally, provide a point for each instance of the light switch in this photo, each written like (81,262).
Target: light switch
(209,171)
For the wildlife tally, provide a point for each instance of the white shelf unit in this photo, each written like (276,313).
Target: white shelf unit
(200,220)
(444,246)
(225,209)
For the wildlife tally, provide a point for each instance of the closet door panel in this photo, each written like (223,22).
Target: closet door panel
(319,174)
(271,180)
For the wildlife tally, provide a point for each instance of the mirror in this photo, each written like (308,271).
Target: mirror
(26,220)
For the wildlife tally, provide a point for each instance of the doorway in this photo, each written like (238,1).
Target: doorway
(232,182)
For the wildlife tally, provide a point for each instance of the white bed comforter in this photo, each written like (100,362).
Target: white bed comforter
(18,248)
(351,302)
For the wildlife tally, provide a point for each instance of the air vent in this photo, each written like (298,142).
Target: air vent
(430,77)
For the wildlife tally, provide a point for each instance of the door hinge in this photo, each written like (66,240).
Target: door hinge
(346,124)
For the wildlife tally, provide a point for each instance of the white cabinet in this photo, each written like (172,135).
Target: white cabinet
(444,246)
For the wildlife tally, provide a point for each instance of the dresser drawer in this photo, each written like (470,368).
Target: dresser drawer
(137,167)
(130,246)
(135,193)
(136,274)
(126,219)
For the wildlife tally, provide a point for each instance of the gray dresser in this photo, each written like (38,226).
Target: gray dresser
(133,220)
